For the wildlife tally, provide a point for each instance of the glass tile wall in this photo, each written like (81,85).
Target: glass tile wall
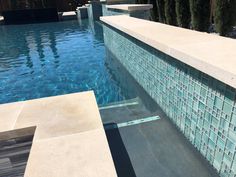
(203,108)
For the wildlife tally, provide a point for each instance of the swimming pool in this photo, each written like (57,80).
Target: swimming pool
(48,59)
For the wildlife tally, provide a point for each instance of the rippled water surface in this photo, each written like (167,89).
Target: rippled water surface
(48,59)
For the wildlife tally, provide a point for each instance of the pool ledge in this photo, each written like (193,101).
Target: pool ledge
(211,54)
(130,7)
(69,138)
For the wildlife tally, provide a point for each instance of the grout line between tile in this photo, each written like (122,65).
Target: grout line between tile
(57,137)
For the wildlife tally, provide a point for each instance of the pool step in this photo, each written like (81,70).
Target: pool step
(131,102)
(130,123)
(125,111)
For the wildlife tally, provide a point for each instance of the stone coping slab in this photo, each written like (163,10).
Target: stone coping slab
(82,7)
(83,154)
(69,137)
(211,54)
(130,7)
(61,115)
(9,114)
(70,13)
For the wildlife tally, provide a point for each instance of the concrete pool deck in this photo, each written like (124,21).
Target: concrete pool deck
(69,136)
(200,50)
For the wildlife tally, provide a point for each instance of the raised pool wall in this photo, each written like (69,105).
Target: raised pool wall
(107,12)
(140,11)
(142,14)
(202,107)
(95,10)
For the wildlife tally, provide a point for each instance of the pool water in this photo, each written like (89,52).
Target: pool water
(48,59)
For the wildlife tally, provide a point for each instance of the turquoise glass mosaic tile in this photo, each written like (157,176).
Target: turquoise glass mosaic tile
(202,107)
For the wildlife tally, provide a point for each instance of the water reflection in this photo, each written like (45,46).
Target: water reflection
(39,60)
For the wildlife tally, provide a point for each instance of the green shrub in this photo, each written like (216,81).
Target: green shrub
(170,13)
(225,16)
(200,14)
(160,10)
(141,1)
(183,13)
(154,15)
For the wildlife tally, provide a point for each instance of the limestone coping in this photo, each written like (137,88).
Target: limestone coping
(69,137)
(130,7)
(211,54)
(70,13)
(83,7)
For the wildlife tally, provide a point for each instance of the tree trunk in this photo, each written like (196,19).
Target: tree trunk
(225,16)
(170,12)
(183,13)
(200,14)
(160,10)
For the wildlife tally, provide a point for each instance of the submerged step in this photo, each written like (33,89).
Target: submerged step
(130,123)
(131,102)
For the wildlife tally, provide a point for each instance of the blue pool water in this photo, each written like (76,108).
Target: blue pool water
(40,60)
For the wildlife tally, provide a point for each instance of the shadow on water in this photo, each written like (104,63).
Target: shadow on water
(129,86)
(119,153)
